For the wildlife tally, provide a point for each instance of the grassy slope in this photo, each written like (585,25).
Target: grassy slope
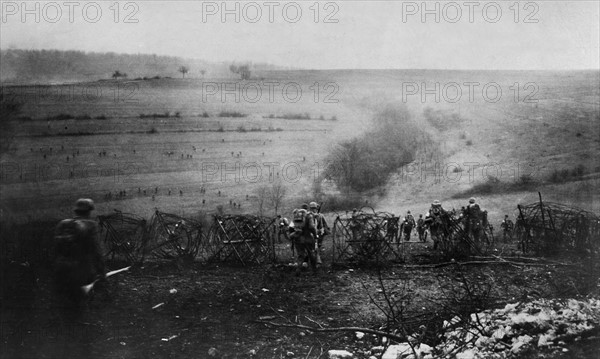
(505,133)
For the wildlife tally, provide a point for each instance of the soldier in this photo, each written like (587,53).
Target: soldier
(410,224)
(303,237)
(391,228)
(321,226)
(282,224)
(421,229)
(473,221)
(507,227)
(77,257)
(433,219)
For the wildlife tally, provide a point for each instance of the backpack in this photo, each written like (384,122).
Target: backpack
(66,241)
(300,217)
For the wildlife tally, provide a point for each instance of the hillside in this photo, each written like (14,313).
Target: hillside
(53,66)
(554,140)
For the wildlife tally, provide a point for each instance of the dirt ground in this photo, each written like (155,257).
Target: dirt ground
(180,310)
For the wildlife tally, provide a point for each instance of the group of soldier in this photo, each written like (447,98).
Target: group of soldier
(306,233)
(78,259)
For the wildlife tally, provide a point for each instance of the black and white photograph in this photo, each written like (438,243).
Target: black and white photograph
(304,179)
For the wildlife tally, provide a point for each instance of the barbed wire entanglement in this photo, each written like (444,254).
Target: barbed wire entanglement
(172,236)
(360,237)
(546,228)
(124,236)
(364,236)
(245,239)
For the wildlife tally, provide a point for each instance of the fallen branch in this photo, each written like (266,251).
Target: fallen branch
(337,329)
(503,261)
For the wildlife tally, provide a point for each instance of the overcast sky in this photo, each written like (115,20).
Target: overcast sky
(359,34)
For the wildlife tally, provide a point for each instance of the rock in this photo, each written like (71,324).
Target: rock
(425,349)
(397,351)
(213,352)
(290,354)
(376,350)
(499,333)
(252,352)
(359,335)
(467,354)
(339,354)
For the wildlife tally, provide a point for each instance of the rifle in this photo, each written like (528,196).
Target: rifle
(321,235)
(86,288)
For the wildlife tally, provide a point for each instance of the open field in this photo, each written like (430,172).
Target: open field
(113,142)
(558,132)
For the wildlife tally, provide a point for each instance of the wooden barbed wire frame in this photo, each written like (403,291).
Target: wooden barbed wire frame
(546,228)
(246,239)
(172,236)
(123,236)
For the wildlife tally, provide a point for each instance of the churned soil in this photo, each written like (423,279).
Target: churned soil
(179,310)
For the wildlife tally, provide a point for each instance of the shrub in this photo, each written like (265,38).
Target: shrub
(220,129)
(469,143)
(153,130)
(366,162)
(526,179)
(578,171)
(441,120)
(61,117)
(231,114)
(241,129)
(205,114)
(83,117)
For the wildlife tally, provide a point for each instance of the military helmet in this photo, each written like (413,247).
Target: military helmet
(304,206)
(313,205)
(472,200)
(436,203)
(83,205)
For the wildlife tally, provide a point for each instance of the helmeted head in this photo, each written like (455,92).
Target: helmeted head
(313,205)
(436,203)
(420,216)
(304,206)
(472,200)
(83,206)
(407,212)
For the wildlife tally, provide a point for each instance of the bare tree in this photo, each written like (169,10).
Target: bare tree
(262,193)
(118,74)
(270,196)
(277,193)
(184,70)
(242,70)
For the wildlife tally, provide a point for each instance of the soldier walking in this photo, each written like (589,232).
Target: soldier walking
(303,237)
(77,257)
(322,228)
(421,229)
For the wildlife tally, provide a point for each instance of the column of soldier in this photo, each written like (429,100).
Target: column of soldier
(78,259)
